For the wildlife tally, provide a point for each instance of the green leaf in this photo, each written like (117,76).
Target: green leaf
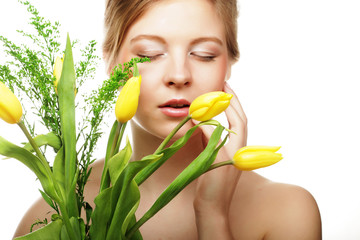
(66,91)
(48,232)
(133,204)
(105,177)
(59,168)
(47,199)
(88,211)
(137,235)
(50,139)
(77,225)
(10,150)
(118,162)
(101,215)
(64,234)
(82,228)
(125,198)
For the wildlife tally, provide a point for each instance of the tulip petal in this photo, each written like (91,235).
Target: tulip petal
(128,100)
(216,109)
(258,148)
(206,99)
(10,107)
(213,102)
(58,68)
(253,160)
(253,157)
(199,113)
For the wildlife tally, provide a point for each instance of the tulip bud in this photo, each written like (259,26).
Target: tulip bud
(10,107)
(253,157)
(209,105)
(57,70)
(128,100)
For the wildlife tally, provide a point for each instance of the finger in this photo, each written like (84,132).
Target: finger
(238,139)
(235,101)
(235,121)
(237,125)
(240,127)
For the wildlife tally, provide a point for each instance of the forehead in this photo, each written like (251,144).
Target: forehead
(179,19)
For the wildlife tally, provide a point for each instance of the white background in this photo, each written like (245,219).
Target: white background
(297,80)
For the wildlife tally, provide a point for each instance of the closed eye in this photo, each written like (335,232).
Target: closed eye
(151,57)
(203,57)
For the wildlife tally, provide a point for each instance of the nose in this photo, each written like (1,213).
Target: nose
(178,73)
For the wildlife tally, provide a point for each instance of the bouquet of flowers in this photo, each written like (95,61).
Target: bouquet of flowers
(63,179)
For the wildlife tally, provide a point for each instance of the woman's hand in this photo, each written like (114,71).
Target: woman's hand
(215,189)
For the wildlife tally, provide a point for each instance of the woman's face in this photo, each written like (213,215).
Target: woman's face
(185,41)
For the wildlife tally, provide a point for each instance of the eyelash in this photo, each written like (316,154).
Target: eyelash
(201,58)
(207,58)
(154,57)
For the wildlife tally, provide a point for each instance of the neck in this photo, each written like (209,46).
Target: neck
(144,143)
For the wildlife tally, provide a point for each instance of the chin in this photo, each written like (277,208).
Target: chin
(161,129)
(183,131)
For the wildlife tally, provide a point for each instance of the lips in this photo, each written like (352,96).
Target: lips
(175,108)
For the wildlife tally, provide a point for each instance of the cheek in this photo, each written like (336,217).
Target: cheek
(145,97)
(150,93)
(213,78)
(150,82)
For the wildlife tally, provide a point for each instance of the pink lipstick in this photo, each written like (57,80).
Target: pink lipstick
(175,108)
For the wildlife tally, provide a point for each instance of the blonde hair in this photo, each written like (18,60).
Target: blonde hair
(121,14)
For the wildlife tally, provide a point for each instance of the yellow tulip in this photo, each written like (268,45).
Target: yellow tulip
(128,100)
(253,157)
(209,105)
(10,107)
(57,70)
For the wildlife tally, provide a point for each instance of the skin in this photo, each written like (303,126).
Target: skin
(188,59)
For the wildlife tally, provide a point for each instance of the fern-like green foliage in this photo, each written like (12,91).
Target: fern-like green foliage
(28,72)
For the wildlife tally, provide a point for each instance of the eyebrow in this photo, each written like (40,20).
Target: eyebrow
(207,39)
(148,37)
(162,40)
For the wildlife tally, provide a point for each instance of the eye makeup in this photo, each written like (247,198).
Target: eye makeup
(152,47)
(205,51)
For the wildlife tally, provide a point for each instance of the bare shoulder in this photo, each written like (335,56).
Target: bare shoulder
(275,210)
(41,210)
(37,212)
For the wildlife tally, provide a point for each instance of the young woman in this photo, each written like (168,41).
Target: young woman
(192,45)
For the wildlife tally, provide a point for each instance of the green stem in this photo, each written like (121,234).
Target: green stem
(136,70)
(66,219)
(47,167)
(115,142)
(33,144)
(146,172)
(122,130)
(42,159)
(119,132)
(171,134)
(219,164)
